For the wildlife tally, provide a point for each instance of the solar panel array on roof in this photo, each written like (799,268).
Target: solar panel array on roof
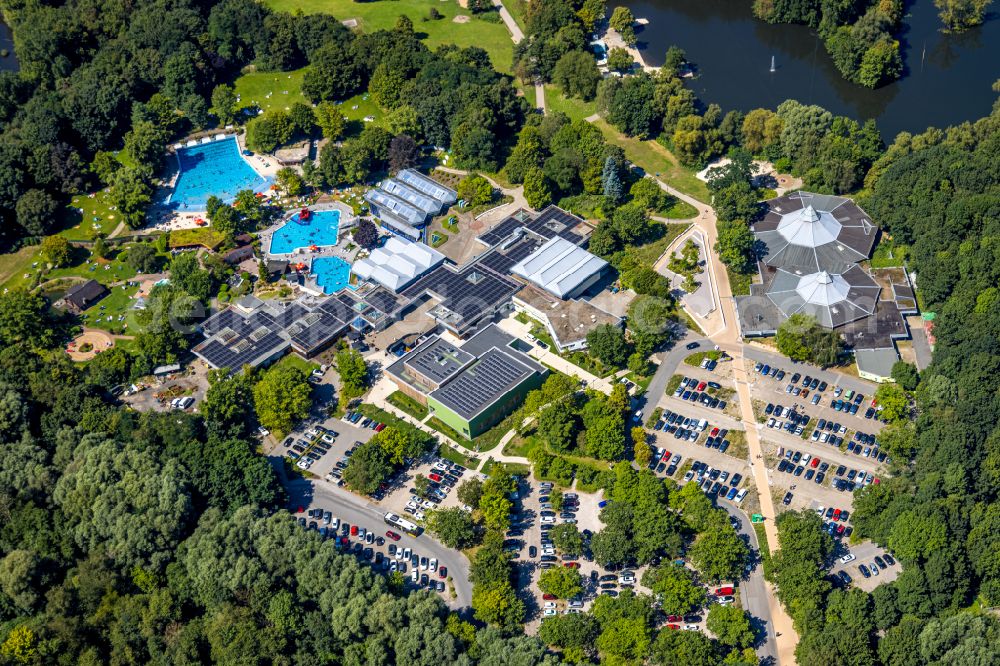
(428,186)
(383,300)
(437,360)
(383,201)
(427,204)
(482,383)
(469,293)
(501,231)
(551,222)
(237,337)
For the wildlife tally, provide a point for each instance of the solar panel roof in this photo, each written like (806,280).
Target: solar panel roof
(428,186)
(482,383)
(551,222)
(236,337)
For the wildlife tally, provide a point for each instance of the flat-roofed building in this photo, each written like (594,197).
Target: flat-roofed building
(567,321)
(471,387)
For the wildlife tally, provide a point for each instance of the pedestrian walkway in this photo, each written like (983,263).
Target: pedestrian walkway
(553,360)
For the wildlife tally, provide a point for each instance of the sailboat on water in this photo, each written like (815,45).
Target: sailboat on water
(773,68)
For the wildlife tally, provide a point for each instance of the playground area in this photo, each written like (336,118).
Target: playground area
(89,344)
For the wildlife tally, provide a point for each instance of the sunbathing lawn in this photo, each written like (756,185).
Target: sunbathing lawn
(493,37)
(30,263)
(96,217)
(254,87)
(116,304)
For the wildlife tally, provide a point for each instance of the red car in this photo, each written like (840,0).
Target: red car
(840,529)
(379,427)
(724,592)
(344,541)
(434,477)
(354,530)
(571,565)
(443,572)
(815,463)
(392,535)
(665,456)
(549,597)
(674,618)
(673,626)
(836,514)
(715,432)
(300,509)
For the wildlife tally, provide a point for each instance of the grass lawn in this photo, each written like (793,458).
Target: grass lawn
(575,108)
(695,359)
(448,431)
(518,10)
(458,457)
(739,282)
(371,16)
(116,304)
(648,254)
(681,210)
(529,93)
(206,236)
(656,161)
(514,469)
(738,447)
(89,215)
(296,361)
(888,255)
(254,87)
(29,262)
(404,402)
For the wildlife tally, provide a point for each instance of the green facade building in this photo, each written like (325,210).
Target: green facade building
(473,387)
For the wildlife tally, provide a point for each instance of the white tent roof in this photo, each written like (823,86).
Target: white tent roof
(397,263)
(822,288)
(809,228)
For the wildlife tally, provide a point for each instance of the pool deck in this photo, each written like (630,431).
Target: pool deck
(347,221)
(166,219)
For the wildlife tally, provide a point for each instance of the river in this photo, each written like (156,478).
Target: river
(947,79)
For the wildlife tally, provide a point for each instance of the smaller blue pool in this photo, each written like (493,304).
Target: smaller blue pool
(320,229)
(332,273)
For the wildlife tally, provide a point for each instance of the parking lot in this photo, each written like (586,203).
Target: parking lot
(326,440)
(386,548)
(535,553)
(865,554)
(161,394)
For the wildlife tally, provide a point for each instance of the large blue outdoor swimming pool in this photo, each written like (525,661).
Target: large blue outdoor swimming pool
(320,229)
(332,273)
(215,168)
